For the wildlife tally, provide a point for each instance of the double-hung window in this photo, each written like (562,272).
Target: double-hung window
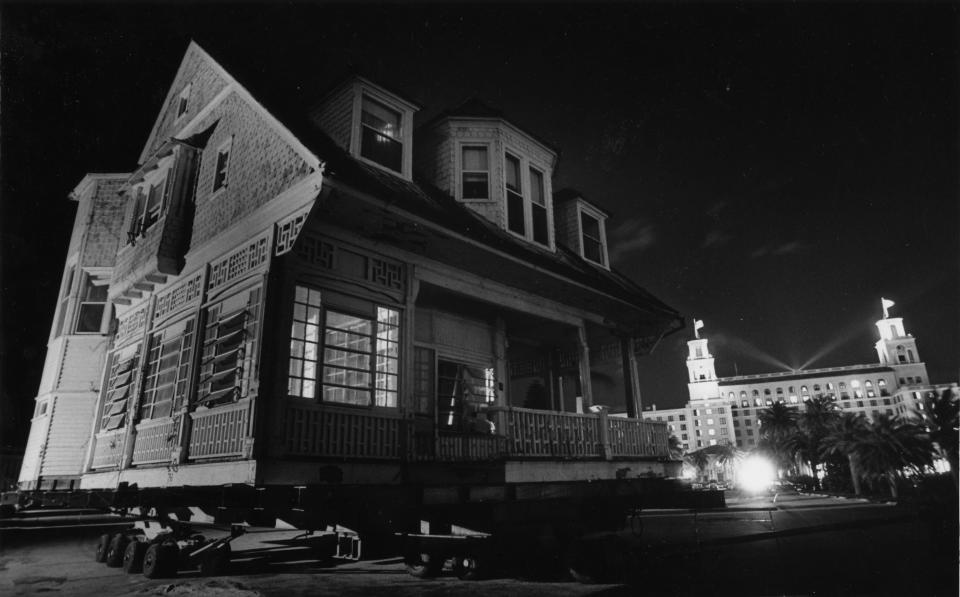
(380,134)
(475,173)
(229,347)
(167,370)
(93,302)
(591,238)
(538,208)
(155,203)
(340,357)
(516,221)
(527,213)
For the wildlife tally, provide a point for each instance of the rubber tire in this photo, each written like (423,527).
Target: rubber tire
(161,560)
(215,561)
(118,545)
(470,567)
(133,557)
(103,544)
(424,565)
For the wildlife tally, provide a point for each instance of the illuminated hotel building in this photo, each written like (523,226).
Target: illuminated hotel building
(726,409)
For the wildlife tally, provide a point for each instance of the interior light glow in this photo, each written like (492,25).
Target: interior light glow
(756,473)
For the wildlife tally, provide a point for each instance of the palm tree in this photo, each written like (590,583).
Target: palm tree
(942,422)
(843,439)
(700,460)
(778,432)
(814,424)
(890,445)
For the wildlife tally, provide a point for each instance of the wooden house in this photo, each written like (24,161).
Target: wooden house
(288,303)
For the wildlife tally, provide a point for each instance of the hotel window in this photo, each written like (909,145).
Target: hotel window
(724,431)
(41,408)
(881,383)
(684,437)
(745,403)
(709,411)
(859,403)
(592,239)
(816,387)
(670,417)
(731,396)
(873,403)
(757,402)
(750,432)
(380,134)
(871,393)
(227,363)
(683,427)
(830,385)
(698,433)
(167,372)
(64,300)
(682,417)
(779,391)
(721,410)
(766,392)
(868,384)
(858,393)
(475,173)
(803,390)
(846,404)
(221,172)
(853,384)
(769,402)
(793,399)
(709,421)
(343,358)
(93,303)
(121,383)
(748,422)
(886,401)
(699,443)
(696,423)
(713,442)
(723,420)
(736,423)
(696,412)
(843,386)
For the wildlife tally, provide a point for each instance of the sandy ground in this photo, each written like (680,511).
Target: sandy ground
(859,549)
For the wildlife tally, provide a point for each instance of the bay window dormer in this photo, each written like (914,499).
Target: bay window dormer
(581,226)
(370,122)
(493,168)
(150,194)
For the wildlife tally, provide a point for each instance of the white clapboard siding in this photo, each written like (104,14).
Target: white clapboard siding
(51,366)
(82,365)
(71,417)
(31,457)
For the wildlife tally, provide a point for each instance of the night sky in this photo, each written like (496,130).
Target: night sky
(771,169)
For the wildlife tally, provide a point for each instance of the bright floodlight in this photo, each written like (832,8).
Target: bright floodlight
(756,473)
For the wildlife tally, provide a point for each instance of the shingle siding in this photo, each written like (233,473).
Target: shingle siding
(105,229)
(206,82)
(335,116)
(262,165)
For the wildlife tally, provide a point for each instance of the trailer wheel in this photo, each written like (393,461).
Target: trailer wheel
(160,560)
(424,565)
(215,561)
(133,557)
(102,546)
(470,567)
(116,549)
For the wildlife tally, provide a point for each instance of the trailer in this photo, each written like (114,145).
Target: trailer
(475,529)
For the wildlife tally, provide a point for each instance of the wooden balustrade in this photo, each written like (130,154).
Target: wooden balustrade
(219,432)
(315,430)
(633,437)
(155,441)
(108,449)
(537,433)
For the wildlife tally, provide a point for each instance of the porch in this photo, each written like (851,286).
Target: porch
(315,431)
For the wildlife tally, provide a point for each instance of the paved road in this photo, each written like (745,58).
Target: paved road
(754,547)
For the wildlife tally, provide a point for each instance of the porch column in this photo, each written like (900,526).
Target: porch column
(631,383)
(501,374)
(584,366)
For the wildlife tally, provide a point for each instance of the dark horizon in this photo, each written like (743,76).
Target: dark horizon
(773,170)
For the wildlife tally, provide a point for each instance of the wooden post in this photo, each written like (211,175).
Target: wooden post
(584,368)
(631,383)
(501,373)
(605,434)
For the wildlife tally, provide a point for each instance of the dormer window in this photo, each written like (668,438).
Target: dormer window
(150,200)
(182,101)
(526,212)
(538,208)
(380,139)
(591,238)
(475,173)
(515,220)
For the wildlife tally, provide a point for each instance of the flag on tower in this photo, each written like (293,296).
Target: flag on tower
(697,324)
(887,303)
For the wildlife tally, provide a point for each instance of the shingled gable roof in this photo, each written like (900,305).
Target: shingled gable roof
(475,107)
(422,199)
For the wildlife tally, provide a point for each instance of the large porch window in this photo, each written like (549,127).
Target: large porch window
(340,357)
(462,393)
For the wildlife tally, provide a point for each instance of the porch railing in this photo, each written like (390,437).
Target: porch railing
(155,441)
(219,432)
(108,449)
(540,433)
(314,430)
